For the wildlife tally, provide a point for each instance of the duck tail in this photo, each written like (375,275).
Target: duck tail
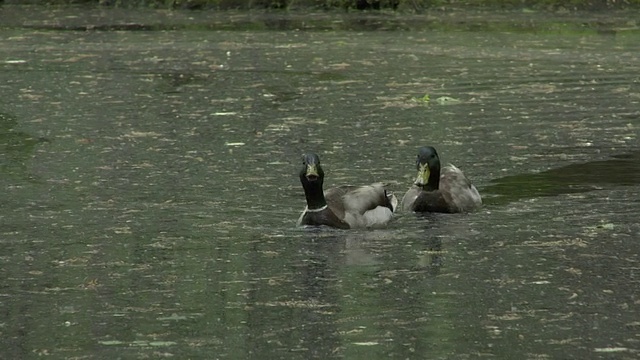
(391,200)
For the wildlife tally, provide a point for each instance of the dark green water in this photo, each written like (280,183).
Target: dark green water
(150,192)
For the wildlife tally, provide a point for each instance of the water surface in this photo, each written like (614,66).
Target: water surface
(150,191)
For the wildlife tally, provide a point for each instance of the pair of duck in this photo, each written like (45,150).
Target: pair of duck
(445,190)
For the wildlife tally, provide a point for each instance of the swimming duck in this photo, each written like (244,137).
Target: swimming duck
(343,207)
(445,190)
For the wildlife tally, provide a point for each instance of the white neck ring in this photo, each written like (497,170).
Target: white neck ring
(318,209)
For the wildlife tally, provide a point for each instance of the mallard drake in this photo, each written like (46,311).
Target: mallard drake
(343,207)
(445,190)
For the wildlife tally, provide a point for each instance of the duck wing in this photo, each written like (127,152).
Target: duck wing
(358,205)
(457,190)
(410,197)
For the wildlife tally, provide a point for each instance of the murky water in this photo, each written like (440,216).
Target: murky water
(150,191)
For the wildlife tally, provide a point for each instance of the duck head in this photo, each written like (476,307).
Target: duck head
(312,177)
(311,171)
(428,165)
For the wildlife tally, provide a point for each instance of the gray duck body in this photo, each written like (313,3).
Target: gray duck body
(445,190)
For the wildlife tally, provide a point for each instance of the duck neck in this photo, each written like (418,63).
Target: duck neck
(434,180)
(314,194)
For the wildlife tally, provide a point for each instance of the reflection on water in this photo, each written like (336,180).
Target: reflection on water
(621,170)
(306,296)
(16,148)
(326,319)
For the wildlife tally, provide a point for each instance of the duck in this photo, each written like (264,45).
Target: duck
(443,190)
(343,207)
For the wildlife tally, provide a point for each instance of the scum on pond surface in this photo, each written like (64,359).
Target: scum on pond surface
(158,217)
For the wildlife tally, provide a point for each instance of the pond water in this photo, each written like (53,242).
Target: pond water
(150,189)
